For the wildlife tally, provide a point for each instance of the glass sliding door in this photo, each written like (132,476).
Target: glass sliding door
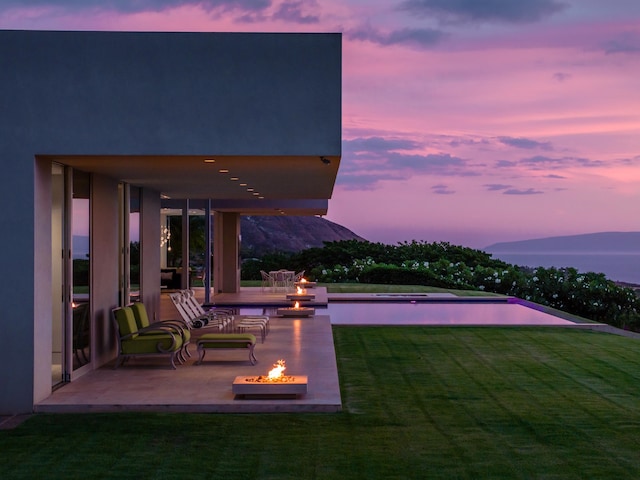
(80,328)
(129,207)
(70,268)
(58,290)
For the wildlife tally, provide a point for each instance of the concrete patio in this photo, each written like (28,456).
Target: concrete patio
(149,384)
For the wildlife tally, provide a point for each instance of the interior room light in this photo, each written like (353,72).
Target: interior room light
(209,160)
(224,170)
(235,179)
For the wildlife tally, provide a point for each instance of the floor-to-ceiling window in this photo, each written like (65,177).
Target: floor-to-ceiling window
(129,206)
(81,268)
(57,270)
(135,287)
(71,267)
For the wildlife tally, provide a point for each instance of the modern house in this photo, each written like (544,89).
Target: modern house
(99,129)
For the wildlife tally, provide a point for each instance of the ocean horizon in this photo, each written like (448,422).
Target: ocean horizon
(619,267)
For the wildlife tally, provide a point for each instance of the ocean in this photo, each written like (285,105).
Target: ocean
(620,267)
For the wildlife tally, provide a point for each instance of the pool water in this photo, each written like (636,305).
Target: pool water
(425,313)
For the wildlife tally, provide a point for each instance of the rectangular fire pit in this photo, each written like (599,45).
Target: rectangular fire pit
(296,311)
(251,387)
(301,296)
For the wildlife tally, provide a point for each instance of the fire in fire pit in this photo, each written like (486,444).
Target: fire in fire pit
(274,384)
(276,374)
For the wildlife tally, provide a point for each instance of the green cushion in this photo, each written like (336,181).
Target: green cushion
(151,343)
(186,335)
(140,313)
(126,322)
(142,320)
(226,340)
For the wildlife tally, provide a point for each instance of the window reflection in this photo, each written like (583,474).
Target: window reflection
(80,255)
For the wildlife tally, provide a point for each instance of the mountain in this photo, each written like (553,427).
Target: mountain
(266,234)
(603,242)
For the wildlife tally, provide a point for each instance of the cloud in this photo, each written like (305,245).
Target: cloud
(127,6)
(506,164)
(368,181)
(484,11)
(391,159)
(412,37)
(528,191)
(292,11)
(378,145)
(440,163)
(539,162)
(442,190)
(496,187)
(509,190)
(558,177)
(628,42)
(561,76)
(525,143)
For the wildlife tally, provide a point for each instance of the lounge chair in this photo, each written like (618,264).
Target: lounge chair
(196,316)
(142,321)
(134,341)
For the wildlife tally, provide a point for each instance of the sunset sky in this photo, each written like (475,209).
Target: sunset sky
(467,121)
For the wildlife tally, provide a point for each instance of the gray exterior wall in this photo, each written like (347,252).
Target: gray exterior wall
(121,93)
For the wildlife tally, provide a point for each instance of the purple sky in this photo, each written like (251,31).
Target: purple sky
(465,121)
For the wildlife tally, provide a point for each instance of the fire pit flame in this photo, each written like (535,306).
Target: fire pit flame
(277,371)
(275,375)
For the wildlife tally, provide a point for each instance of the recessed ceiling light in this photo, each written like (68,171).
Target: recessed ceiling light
(209,160)
(256,193)
(224,170)
(250,189)
(243,184)
(235,179)
(261,197)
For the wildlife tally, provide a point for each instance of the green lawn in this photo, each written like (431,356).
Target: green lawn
(418,403)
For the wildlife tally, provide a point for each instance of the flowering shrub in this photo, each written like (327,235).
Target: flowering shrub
(590,295)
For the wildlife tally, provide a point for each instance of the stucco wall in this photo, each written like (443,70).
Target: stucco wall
(171,93)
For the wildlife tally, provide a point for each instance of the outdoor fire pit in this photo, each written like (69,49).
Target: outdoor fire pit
(273,385)
(296,311)
(304,283)
(301,294)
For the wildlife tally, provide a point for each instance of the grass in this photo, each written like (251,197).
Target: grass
(418,403)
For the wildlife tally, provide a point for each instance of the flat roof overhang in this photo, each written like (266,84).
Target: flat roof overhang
(249,185)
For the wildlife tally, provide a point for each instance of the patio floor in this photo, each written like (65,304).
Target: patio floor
(149,384)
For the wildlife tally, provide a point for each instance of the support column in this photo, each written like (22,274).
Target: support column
(186,274)
(207,252)
(226,252)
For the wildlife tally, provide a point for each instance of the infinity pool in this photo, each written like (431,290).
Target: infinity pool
(426,313)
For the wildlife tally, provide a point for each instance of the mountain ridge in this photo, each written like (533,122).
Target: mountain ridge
(269,234)
(605,242)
